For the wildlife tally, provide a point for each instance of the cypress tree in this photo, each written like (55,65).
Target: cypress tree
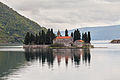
(66,32)
(78,34)
(85,37)
(36,39)
(89,37)
(71,34)
(48,37)
(52,36)
(32,38)
(27,39)
(75,35)
(43,37)
(40,38)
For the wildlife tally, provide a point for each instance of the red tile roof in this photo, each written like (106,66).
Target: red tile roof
(80,40)
(63,37)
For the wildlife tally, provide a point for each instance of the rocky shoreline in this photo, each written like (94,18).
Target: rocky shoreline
(49,46)
(35,46)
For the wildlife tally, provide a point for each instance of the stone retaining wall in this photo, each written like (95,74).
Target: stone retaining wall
(35,46)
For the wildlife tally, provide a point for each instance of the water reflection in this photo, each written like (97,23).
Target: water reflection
(77,56)
(10,62)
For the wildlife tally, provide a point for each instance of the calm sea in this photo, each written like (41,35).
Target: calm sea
(61,64)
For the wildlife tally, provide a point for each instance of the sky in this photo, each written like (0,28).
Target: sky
(68,14)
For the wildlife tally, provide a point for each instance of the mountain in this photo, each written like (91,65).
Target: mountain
(14,26)
(101,32)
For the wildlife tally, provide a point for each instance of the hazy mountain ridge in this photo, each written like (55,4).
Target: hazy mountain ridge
(101,32)
(14,26)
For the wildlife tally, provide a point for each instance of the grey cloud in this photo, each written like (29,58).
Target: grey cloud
(112,0)
(64,13)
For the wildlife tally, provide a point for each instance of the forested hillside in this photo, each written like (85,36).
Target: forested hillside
(13,26)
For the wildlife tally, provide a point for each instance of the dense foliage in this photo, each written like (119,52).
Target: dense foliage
(42,38)
(13,26)
(47,38)
(77,36)
(86,37)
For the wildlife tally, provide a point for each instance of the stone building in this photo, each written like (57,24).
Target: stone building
(66,40)
(79,43)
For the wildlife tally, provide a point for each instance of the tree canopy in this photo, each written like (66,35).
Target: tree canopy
(47,37)
(66,32)
(43,38)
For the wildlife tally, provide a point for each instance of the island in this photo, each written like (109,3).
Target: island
(115,41)
(50,40)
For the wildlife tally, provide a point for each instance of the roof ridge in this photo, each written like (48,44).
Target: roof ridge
(63,37)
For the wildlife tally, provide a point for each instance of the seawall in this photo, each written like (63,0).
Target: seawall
(35,46)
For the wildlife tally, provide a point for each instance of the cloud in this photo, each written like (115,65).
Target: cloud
(112,0)
(62,14)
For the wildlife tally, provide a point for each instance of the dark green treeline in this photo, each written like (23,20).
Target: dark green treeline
(47,38)
(77,35)
(41,38)
(86,37)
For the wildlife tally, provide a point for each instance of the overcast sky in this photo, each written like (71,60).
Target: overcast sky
(70,14)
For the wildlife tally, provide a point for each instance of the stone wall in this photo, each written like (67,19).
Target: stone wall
(78,44)
(66,42)
(36,46)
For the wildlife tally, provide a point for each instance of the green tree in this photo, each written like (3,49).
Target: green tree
(85,37)
(66,32)
(48,37)
(71,34)
(36,39)
(78,35)
(52,36)
(32,39)
(89,37)
(43,37)
(75,36)
(27,39)
(40,38)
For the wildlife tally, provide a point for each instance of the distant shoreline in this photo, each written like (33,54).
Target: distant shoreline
(115,41)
